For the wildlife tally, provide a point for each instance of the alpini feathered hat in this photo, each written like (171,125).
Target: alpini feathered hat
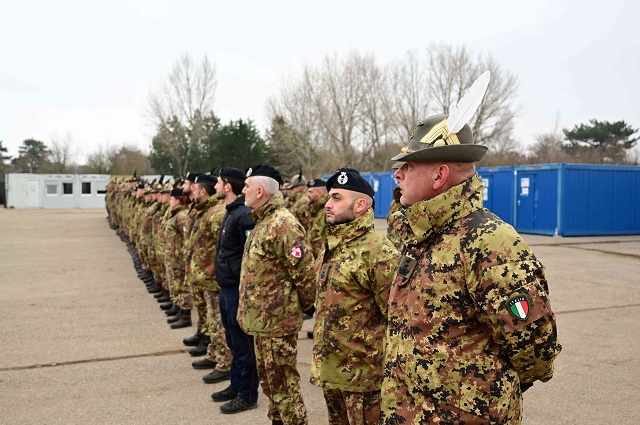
(448,137)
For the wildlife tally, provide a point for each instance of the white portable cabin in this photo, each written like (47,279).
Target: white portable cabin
(56,190)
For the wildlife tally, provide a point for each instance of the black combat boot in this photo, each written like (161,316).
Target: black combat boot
(184,320)
(164,298)
(194,339)
(155,289)
(201,349)
(160,294)
(166,305)
(173,311)
(174,318)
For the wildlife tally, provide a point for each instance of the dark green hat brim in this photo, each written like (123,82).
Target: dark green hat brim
(448,153)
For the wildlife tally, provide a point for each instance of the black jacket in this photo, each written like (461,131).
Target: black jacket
(234,230)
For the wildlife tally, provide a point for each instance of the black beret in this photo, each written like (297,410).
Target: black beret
(316,183)
(232,174)
(350,181)
(191,177)
(206,178)
(264,170)
(177,192)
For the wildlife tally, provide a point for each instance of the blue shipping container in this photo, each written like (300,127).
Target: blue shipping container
(499,191)
(577,199)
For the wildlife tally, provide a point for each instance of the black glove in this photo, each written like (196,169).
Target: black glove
(524,386)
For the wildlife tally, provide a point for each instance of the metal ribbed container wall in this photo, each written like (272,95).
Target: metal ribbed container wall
(499,191)
(578,199)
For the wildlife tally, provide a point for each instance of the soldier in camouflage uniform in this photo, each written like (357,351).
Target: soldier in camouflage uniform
(160,218)
(174,246)
(184,296)
(202,280)
(392,233)
(317,195)
(277,283)
(296,188)
(470,320)
(351,304)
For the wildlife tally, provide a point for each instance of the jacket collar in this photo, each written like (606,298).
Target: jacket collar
(276,202)
(235,204)
(346,232)
(206,204)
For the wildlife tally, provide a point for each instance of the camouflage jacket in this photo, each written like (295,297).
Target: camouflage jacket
(315,233)
(300,211)
(192,211)
(290,200)
(392,233)
(174,239)
(278,273)
(351,307)
(146,229)
(203,243)
(158,232)
(469,314)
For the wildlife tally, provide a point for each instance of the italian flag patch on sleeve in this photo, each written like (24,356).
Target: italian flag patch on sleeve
(519,306)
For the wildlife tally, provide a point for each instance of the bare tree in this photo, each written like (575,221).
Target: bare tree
(100,160)
(354,112)
(547,148)
(336,91)
(62,153)
(408,100)
(127,159)
(186,96)
(377,130)
(453,70)
(294,139)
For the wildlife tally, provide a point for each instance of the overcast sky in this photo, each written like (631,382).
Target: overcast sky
(85,68)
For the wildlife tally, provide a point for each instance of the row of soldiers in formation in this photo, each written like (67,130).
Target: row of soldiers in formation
(252,267)
(450,329)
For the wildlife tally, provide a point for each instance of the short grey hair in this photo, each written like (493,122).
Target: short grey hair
(270,186)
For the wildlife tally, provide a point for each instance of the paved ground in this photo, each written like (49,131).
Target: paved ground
(83,343)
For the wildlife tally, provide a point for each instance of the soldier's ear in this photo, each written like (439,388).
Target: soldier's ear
(440,176)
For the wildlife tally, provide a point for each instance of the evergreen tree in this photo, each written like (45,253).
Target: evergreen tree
(236,144)
(600,141)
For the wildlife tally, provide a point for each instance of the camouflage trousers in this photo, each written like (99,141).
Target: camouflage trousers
(200,304)
(177,290)
(217,349)
(280,381)
(349,408)
(160,275)
(183,294)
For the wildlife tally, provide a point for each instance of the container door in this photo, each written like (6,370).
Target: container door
(526,202)
(32,199)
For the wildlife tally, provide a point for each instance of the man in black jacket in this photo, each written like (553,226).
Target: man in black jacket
(242,394)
